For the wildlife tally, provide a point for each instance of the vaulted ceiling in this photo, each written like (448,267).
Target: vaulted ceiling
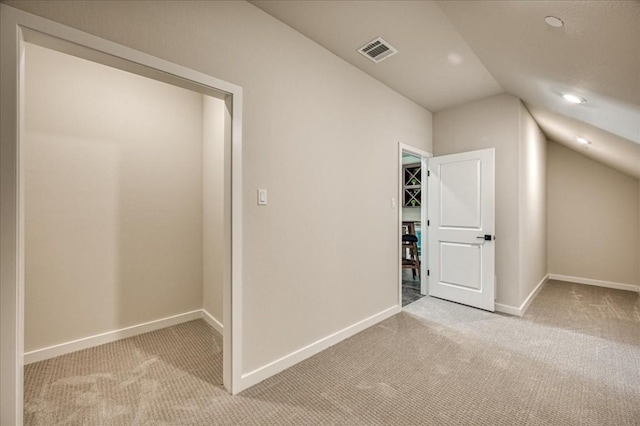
(453,52)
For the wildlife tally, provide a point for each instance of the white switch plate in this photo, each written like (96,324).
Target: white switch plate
(393,203)
(262,197)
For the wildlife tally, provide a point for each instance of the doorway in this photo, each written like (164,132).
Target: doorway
(124,194)
(456,248)
(19,28)
(412,214)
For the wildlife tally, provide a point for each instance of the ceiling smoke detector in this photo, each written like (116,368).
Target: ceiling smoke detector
(377,50)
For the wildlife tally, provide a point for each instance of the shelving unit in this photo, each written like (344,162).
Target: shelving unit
(411,185)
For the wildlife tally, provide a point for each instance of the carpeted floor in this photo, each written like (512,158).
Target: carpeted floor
(574,359)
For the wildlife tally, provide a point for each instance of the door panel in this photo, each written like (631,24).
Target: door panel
(461,212)
(460,197)
(454,254)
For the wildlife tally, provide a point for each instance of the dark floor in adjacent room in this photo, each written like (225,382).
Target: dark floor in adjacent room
(573,359)
(410,288)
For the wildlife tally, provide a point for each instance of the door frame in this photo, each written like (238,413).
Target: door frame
(424,203)
(17,28)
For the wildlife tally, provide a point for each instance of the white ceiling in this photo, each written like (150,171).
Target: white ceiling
(609,149)
(453,52)
(596,54)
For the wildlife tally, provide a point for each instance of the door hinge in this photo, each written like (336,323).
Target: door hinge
(428,272)
(428,222)
(428,173)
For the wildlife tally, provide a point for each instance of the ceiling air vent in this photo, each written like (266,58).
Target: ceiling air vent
(377,50)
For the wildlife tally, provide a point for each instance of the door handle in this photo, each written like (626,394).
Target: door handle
(486,237)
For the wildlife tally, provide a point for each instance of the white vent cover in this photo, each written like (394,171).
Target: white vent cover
(377,50)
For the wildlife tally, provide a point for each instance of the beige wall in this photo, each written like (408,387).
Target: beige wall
(533,204)
(491,123)
(113,199)
(411,213)
(594,217)
(213,250)
(503,122)
(328,236)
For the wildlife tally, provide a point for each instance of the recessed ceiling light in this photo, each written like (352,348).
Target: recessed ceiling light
(574,99)
(582,140)
(554,21)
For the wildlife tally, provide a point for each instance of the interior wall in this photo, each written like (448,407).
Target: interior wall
(533,204)
(594,216)
(411,213)
(113,196)
(213,250)
(491,123)
(306,115)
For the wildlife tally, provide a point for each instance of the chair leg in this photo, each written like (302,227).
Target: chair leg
(416,259)
(412,260)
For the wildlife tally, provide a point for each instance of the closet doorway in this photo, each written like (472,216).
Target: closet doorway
(132,226)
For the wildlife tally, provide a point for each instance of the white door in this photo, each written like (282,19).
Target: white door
(461,230)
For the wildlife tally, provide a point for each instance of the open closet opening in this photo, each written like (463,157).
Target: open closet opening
(122,215)
(125,183)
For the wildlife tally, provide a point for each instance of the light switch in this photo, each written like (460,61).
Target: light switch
(262,197)
(393,203)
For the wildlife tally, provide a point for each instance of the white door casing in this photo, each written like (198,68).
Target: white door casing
(462,224)
(17,28)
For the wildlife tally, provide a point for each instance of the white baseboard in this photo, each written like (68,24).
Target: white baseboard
(210,319)
(508,309)
(533,294)
(275,367)
(599,283)
(110,336)
(512,310)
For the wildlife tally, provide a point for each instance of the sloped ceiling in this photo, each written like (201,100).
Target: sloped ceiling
(453,52)
(434,67)
(609,149)
(596,54)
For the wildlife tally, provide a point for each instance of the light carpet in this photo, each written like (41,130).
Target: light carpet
(574,359)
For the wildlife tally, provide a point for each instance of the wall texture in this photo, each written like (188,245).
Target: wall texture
(113,188)
(533,204)
(491,123)
(593,219)
(328,235)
